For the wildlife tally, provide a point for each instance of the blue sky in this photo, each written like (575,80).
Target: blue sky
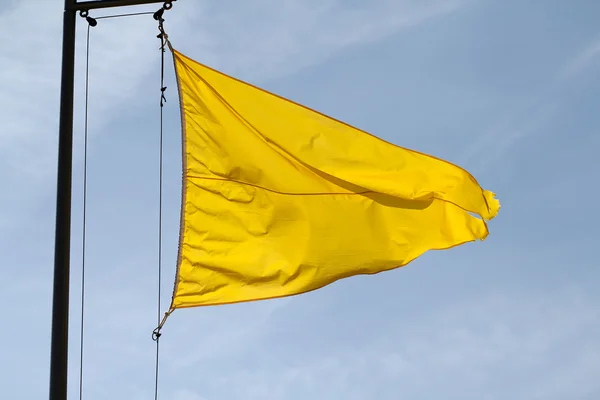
(508,89)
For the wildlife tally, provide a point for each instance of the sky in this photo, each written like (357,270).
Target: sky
(507,89)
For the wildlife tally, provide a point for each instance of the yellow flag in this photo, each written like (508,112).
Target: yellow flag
(279,199)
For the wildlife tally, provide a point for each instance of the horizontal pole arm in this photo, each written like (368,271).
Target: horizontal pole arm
(96,4)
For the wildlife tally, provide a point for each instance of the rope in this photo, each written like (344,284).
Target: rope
(83,244)
(158,16)
(160,196)
(125,15)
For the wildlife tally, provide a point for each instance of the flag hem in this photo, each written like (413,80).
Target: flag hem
(183,179)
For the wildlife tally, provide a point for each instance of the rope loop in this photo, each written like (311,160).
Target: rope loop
(86,14)
(156,332)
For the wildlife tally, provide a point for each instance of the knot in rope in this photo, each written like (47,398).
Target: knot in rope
(164,38)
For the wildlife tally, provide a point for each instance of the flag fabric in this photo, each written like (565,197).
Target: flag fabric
(279,199)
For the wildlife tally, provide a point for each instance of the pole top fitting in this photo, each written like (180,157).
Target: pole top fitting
(167,5)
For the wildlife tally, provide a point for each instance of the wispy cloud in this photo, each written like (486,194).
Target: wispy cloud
(585,58)
(460,352)
(31,76)
(30,81)
(493,143)
(532,114)
(300,34)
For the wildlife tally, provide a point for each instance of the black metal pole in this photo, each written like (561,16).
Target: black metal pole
(62,248)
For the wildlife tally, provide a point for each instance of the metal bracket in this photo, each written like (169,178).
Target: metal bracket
(95,4)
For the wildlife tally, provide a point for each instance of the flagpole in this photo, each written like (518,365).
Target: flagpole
(62,246)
